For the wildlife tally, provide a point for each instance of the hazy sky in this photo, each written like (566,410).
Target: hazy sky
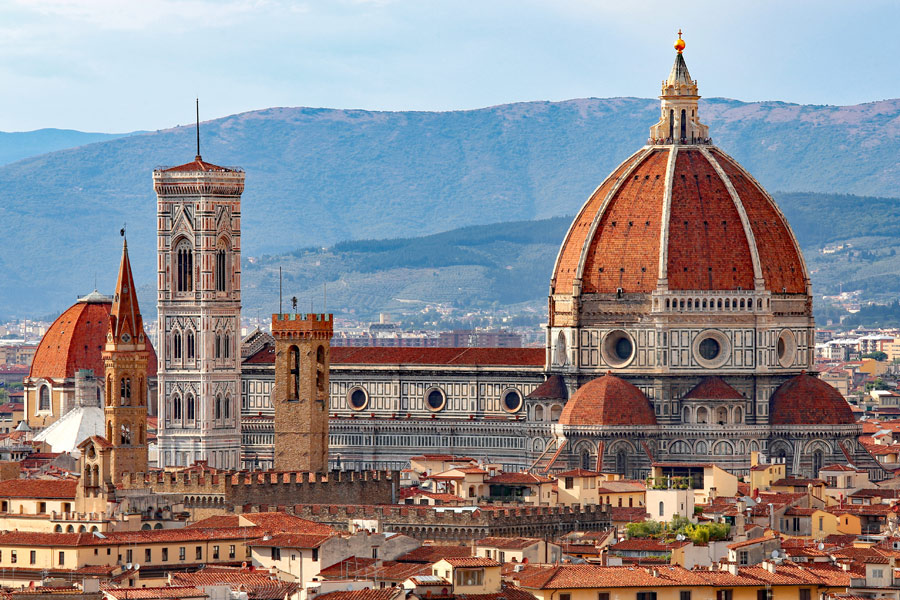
(119,65)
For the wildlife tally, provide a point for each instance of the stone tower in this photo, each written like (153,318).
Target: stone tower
(302,359)
(199,302)
(125,358)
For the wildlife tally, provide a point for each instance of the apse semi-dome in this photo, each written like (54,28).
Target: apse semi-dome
(807,400)
(609,401)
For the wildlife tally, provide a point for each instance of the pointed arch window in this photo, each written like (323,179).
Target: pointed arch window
(226,409)
(191,410)
(218,406)
(189,343)
(226,345)
(176,345)
(218,348)
(683,124)
(184,267)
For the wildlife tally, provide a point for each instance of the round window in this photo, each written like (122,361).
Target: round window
(435,400)
(358,399)
(709,348)
(786,348)
(617,348)
(512,401)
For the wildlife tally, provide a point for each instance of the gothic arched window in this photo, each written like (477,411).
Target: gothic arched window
(191,411)
(218,407)
(218,348)
(189,339)
(184,264)
(221,265)
(226,345)
(176,407)
(44,394)
(227,407)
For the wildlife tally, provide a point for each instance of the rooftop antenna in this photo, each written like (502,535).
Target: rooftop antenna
(325,297)
(280,311)
(198,128)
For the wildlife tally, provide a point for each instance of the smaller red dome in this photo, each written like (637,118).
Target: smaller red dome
(807,400)
(608,400)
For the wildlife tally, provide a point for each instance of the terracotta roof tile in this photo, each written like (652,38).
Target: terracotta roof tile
(713,388)
(430,554)
(350,355)
(39,488)
(554,388)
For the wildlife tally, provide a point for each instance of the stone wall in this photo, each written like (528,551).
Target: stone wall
(450,525)
(227,490)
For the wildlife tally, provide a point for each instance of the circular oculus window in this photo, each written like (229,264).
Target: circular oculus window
(617,348)
(711,349)
(786,348)
(512,401)
(435,399)
(358,399)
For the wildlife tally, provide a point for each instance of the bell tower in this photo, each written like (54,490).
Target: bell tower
(125,362)
(199,304)
(301,397)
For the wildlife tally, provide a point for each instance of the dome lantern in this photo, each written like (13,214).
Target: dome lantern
(679,122)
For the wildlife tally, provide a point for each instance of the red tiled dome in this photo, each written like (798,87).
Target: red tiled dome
(807,400)
(75,341)
(721,232)
(608,400)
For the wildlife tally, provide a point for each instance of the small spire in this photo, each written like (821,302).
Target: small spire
(679,43)
(125,323)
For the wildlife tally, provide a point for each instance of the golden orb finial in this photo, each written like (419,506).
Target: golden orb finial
(679,43)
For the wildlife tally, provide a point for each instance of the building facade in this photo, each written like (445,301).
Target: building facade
(199,303)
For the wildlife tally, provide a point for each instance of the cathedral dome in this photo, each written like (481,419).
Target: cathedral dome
(807,400)
(688,216)
(608,400)
(679,215)
(76,339)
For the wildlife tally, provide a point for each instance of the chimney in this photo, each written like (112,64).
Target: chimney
(732,568)
(769,566)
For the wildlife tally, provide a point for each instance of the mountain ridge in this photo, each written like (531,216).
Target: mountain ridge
(319,176)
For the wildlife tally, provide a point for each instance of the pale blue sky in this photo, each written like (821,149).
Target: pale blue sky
(117,65)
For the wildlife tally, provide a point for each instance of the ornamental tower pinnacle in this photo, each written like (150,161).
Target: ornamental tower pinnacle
(679,121)
(125,358)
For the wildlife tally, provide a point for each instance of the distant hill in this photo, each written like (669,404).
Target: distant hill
(319,176)
(24,144)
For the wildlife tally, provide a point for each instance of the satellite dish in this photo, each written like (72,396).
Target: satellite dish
(137,566)
(679,537)
(774,553)
(758,499)
(128,566)
(821,546)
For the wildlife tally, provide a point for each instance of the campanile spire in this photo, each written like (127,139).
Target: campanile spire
(679,121)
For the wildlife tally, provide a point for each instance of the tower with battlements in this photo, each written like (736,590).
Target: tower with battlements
(301,398)
(199,302)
